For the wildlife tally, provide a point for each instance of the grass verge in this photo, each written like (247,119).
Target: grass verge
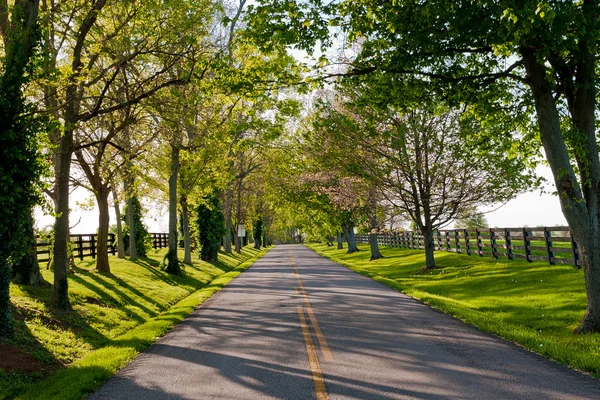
(533,304)
(114,318)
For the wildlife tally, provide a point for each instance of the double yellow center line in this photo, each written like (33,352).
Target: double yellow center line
(313,359)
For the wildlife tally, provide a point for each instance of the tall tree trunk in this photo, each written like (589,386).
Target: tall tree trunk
(120,245)
(350,237)
(172,259)
(340,240)
(429,247)
(374,244)
(228,212)
(238,217)
(102,264)
(185,221)
(61,224)
(580,207)
(133,255)
(27,270)
(373,239)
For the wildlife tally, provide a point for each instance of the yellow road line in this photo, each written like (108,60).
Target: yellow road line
(313,360)
(327,356)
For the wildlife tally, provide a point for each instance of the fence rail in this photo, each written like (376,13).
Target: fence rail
(159,240)
(86,245)
(552,244)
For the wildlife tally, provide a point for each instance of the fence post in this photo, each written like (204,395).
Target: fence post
(93,245)
(80,246)
(457,241)
(575,249)
(479,243)
(439,240)
(527,244)
(549,249)
(447,240)
(509,248)
(467,242)
(112,243)
(493,243)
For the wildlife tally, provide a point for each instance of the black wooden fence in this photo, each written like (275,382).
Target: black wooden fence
(85,245)
(552,244)
(159,240)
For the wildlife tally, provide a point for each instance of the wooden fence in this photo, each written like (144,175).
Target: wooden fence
(552,244)
(159,240)
(85,245)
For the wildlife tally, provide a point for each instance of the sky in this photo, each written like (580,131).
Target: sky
(530,209)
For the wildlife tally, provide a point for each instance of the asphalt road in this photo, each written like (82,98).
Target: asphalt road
(309,328)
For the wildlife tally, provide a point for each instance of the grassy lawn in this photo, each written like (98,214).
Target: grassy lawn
(534,304)
(114,317)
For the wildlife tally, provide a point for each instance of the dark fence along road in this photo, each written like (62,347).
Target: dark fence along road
(86,245)
(554,245)
(297,326)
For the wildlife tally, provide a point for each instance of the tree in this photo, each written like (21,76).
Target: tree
(140,233)
(517,54)
(88,47)
(424,160)
(470,218)
(257,232)
(101,158)
(26,271)
(211,227)
(20,162)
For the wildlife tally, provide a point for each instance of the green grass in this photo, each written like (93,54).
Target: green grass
(114,317)
(534,304)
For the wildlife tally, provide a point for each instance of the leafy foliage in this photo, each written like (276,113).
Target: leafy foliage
(143,241)
(21,165)
(211,227)
(470,218)
(257,232)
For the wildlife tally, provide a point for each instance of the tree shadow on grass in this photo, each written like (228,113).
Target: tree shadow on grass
(61,320)
(80,381)
(15,382)
(103,280)
(109,299)
(12,383)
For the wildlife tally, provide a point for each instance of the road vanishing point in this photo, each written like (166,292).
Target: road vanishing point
(298,326)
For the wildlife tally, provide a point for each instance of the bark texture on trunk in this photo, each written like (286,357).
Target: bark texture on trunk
(172,259)
(350,237)
(61,224)
(340,241)
(228,211)
(102,264)
(133,255)
(429,243)
(238,217)
(27,270)
(374,244)
(187,239)
(120,245)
